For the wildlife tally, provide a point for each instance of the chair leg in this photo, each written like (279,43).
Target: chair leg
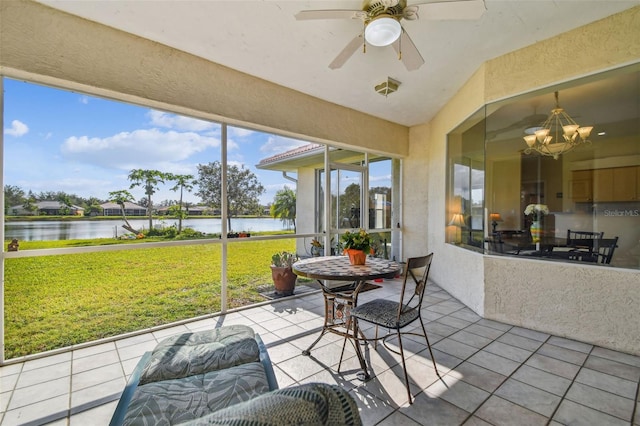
(404,367)
(344,343)
(424,330)
(375,341)
(359,354)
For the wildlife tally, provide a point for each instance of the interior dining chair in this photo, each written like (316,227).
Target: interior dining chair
(395,315)
(581,245)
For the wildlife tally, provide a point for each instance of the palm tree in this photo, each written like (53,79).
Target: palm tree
(284,206)
(149,179)
(121,197)
(182,182)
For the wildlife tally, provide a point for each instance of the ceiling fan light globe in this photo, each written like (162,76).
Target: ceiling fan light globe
(382,31)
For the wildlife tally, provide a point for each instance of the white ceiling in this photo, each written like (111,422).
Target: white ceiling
(262,38)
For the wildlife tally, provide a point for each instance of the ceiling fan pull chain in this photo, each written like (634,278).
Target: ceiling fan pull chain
(364,39)
(400,47)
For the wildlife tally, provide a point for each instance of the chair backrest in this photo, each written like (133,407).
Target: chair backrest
(496,245)
(605,248)
(416,273)
(579,237)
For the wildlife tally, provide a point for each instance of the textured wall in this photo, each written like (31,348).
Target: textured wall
(48,46)
(600,45)
(456,269)
(593,304)
(588,303)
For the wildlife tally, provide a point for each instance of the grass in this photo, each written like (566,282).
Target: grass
(61,300)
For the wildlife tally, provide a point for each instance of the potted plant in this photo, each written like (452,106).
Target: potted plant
(357,245)
(284,279)
(317,248)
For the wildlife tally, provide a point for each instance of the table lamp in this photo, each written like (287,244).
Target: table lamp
(495,218)
(458,221)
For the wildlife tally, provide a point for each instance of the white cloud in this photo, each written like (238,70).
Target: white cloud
(173,121)
(17,129)
(382,178)
(84,100)
(280,144)
(137,149)
(240,132)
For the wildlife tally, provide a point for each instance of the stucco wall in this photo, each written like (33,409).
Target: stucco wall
(589,303)
(45,45)
(595,304)
(456,269)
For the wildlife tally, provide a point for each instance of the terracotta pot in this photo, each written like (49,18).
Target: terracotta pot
(284,280)
(356,257)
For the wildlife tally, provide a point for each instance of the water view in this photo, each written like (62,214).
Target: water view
(79,229)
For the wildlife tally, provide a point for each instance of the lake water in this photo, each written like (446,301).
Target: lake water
(79,229)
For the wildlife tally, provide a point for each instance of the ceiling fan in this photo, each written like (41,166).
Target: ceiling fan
(381,24)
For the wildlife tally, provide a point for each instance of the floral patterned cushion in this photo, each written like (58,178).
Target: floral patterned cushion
(190,354)
(384,313)
(175,401)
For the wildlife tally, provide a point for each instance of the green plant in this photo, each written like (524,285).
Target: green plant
(356,240)
(284,259)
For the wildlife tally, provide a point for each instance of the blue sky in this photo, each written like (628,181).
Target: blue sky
(56,140)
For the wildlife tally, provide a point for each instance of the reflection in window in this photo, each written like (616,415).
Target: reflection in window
(593,189)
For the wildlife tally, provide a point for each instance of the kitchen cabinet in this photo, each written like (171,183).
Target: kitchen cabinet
(582,186)
(603,185)
(614,184)
(625,184)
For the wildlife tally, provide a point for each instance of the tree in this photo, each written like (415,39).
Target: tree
(13,196)
(149,180)
(30,203)
(183,182)
(65,200)
(284,207)
(243,188)
(92,206)
(120,197)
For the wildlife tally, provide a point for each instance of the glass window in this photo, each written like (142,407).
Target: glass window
(542,194)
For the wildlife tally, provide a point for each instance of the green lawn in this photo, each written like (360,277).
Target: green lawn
(57,301)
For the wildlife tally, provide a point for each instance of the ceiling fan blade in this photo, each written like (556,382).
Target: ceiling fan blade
(411,57)
(451,9)
(329,14)
(347,52)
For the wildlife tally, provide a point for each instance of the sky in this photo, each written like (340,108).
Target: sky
(57,140)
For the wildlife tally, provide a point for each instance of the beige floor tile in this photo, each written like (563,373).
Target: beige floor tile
(498,411)
(96,376)
(572,413)
(372,410)
(26,396)
(40,412)
(534,399)
(100,415)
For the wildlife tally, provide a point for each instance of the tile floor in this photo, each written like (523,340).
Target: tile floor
(492,373)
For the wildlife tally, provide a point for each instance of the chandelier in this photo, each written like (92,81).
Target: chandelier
(557,135)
